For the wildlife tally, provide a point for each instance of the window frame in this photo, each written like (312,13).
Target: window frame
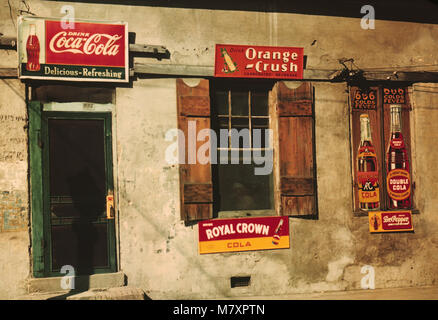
(251,85)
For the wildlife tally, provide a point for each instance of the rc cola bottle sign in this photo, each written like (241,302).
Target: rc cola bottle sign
(33,50)
(367,173)
(398,180)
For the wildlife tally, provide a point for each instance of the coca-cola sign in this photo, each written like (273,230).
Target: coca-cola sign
(91,51)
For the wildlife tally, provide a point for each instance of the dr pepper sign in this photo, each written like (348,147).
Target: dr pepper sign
(243,234)
(238,61)
(90,51)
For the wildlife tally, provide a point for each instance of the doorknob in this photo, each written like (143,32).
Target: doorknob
(110,210)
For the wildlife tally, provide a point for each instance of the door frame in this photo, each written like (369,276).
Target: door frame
(39,178)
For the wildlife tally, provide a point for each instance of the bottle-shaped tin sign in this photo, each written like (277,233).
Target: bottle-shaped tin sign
(367,168)
(229,65)
(398,181)
(276,237)
(32,50)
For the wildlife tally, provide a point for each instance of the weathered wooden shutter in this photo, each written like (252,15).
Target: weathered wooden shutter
(196,187)
(293,117)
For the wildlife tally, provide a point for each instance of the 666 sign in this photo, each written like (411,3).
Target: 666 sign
(91,51)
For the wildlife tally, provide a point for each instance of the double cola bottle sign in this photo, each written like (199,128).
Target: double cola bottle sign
(398,181)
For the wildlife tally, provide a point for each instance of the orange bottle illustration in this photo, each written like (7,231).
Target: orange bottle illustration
(276,237)
(229,62)
(367,169)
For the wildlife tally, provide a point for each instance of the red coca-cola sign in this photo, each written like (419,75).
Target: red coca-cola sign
(239,61)
(87,51)
(88,44)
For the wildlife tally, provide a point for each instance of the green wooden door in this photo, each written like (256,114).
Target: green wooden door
(74,152)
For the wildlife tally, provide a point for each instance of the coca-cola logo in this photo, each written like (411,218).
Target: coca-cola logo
(89,44)
(85,43)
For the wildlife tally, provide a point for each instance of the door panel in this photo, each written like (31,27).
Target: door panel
(77,176)
(81,245)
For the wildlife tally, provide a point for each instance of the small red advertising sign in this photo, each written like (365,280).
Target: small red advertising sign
(390,221)
(243,234)
(85,51)
(236,61)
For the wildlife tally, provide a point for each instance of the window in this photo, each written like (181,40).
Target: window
(242,111)
(381,148)
(287,109)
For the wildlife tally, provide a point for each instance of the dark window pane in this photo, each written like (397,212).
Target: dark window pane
(221,102)
(82,245)
(259,103)
(223,123)
(259,132)
(240,189)
(260,123)
(239,103)
(240,138)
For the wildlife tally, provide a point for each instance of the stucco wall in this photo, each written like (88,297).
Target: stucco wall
(159,253)
(14,213)
(156,251)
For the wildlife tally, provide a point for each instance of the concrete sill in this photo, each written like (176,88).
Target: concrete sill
(245,214)
(95,281)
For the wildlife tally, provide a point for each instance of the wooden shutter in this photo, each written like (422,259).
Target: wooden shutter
(293,125)
(196,187)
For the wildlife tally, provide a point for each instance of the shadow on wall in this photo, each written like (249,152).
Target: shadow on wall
(421,11)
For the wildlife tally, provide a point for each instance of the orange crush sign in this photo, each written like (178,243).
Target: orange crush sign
(242,61)
(390,221)
(243,234)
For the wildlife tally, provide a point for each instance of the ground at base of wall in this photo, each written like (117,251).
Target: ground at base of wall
(119,293)
(129,293)
(411,293)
